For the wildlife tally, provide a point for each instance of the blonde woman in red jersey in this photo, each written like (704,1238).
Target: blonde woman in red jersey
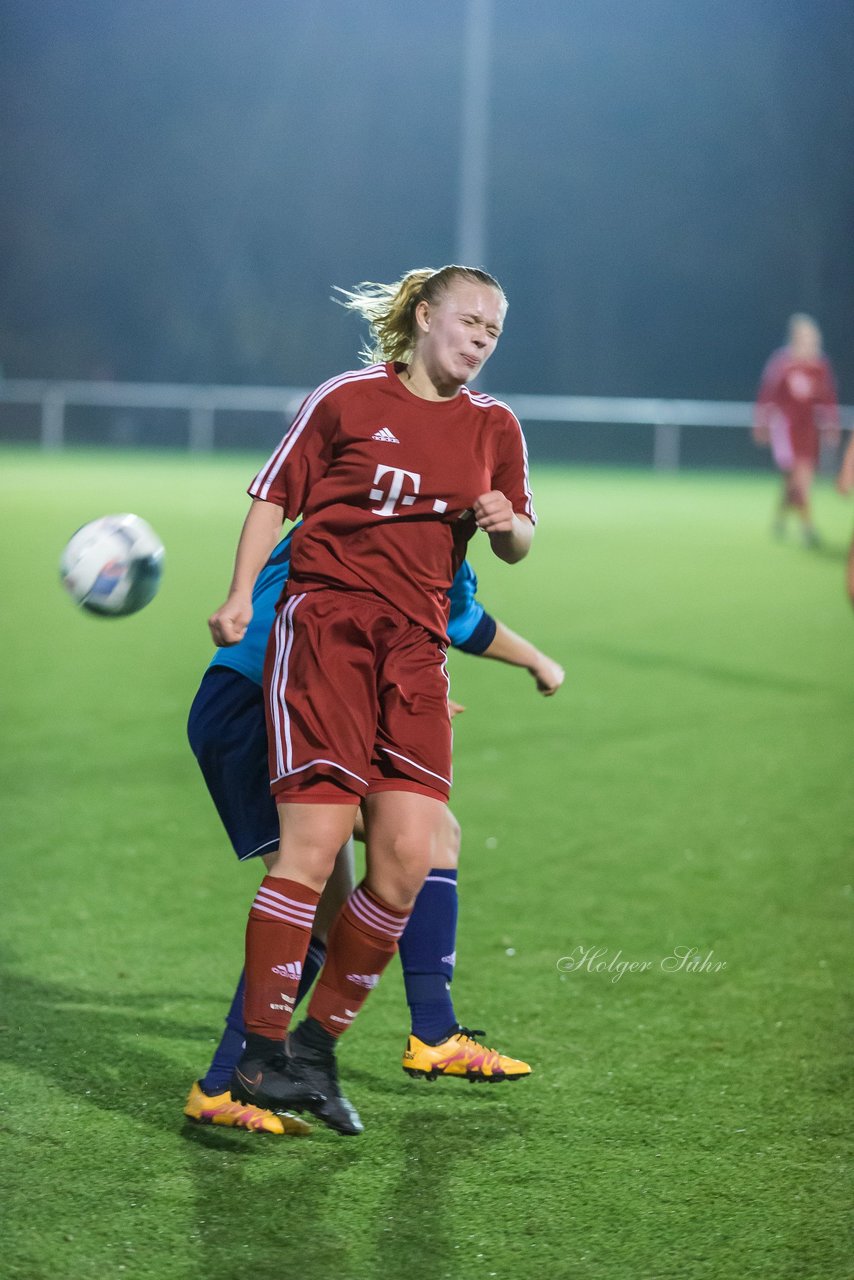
(394,467)
(797,402)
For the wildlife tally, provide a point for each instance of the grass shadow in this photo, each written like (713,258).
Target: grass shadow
(715,672)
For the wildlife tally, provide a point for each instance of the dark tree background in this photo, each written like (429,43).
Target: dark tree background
(184,181)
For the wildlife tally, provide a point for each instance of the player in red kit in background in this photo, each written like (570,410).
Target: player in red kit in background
(796,405)
(394,468)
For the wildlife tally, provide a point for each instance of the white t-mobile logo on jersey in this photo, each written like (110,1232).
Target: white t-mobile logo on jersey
(395,489)
(392,496)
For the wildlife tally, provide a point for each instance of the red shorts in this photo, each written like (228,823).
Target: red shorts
(793,440)
(357,701)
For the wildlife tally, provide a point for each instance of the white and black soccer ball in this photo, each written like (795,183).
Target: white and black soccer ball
(113,565)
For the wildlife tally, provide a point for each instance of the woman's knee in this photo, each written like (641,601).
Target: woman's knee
(405,832)
(410,851)
(309,841)
(398,866)
(795,492)
(309,864)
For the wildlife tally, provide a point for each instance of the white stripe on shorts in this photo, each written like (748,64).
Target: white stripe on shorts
(289,773)
(279,683)
(415,765)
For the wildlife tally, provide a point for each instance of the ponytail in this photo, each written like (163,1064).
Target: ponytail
(390,308)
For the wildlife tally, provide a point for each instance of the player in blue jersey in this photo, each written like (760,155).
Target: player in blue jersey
(228,736)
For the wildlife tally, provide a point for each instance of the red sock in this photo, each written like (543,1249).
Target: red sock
(361,942)
(277,936)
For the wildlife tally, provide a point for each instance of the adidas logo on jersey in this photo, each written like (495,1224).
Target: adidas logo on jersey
(366,980)
(387,437)
(292,970)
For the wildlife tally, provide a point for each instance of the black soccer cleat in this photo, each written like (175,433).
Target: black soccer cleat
(263,1078)
(317,1068)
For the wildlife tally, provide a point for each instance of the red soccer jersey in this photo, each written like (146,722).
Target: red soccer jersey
(802,390)
(386,481)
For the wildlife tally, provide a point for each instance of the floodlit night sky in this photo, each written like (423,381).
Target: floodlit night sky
(184,183)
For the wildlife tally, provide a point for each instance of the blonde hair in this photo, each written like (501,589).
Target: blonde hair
(801,318)
(390,308)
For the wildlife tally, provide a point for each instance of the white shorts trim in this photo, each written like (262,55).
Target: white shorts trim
(262,848)
(415,765)
(289,773)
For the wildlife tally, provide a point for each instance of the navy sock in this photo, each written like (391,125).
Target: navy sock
(311,968)
(427,953)
(230,1047)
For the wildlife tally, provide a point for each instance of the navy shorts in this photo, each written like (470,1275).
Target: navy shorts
(228,734)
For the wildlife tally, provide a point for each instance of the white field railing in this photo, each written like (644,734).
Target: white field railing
(667,418)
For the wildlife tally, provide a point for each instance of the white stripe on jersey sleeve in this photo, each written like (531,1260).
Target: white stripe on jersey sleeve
(260,486)
(482,401)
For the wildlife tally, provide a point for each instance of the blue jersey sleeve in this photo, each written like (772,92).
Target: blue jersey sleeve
(469,626)
(247,657)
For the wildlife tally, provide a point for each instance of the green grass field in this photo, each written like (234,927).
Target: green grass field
(690,787)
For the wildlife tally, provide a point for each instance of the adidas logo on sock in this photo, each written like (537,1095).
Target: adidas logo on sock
(366,980)
(388,437)
(349,1015)
(292,970)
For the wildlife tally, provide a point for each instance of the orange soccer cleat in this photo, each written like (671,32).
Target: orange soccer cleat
(222,1109)
(460,1055)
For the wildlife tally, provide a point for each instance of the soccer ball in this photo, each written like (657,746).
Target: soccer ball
(112,566)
